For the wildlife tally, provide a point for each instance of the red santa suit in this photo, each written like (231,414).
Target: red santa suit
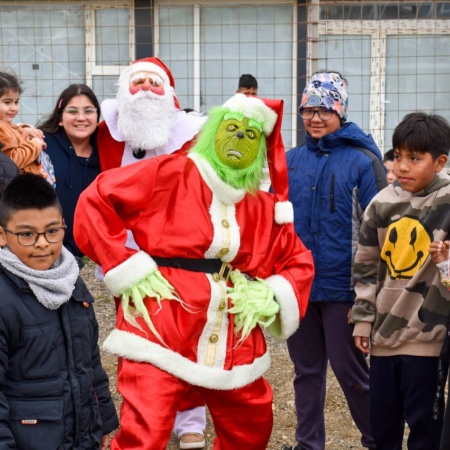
(116,151)
(177,206)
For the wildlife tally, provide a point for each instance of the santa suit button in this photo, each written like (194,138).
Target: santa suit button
(213,338)
(223,252)
(222,306)
(225,223)
(216,276)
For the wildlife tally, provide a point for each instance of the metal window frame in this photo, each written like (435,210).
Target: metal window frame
(378,30)
(92,67)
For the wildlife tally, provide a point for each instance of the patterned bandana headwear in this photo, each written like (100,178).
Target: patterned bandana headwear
(327,90)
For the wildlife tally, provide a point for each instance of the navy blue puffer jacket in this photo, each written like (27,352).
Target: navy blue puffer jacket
(54,393)
(331,181)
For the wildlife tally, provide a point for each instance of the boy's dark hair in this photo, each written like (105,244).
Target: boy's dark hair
(423,133)
(389,155)
(27,191)
(50,124)
(9,82)
(247,81)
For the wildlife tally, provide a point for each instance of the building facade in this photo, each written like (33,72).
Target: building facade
(395,55)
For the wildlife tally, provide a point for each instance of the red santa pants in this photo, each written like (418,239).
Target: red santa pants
(242,417)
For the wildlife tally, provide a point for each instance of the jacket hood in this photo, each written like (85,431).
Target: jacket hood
(348,135)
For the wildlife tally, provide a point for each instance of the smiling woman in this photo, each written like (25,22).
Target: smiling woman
(70,135)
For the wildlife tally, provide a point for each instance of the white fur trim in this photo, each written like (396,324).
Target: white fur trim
(130,272)
(136,348)
(289,312)
(214,354)
(253,108)
(224,237)
(142,66)
(110,116)
(225,193)
(284,212)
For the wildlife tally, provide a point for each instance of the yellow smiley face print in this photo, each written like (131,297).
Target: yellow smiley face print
(405,248)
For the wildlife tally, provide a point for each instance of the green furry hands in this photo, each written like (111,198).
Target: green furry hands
(153,285)
(253,304)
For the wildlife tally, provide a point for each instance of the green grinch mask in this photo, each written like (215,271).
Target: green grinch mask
(237,143)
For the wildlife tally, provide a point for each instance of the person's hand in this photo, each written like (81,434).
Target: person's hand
(439,251)
(39,141)
(34,132)
(362,343)
(105,442)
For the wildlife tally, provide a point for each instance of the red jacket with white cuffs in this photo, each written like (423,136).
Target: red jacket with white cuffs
(176,206)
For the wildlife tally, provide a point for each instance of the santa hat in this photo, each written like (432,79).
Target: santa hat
(269,113)
(151,64)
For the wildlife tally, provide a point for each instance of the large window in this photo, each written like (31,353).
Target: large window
(45,47)
(209,46)
(395,57)
(52,45)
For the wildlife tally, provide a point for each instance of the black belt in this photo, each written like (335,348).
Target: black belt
(219,269)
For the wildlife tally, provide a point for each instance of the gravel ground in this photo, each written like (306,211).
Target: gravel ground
(341,432)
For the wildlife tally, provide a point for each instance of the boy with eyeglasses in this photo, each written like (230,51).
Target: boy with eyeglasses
(332,178)
(54,393)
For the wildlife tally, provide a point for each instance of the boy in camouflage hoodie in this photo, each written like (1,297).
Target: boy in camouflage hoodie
(401,308)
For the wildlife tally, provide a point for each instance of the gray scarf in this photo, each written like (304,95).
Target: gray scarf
(52,287)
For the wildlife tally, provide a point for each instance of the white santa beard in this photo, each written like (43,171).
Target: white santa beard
(145,120)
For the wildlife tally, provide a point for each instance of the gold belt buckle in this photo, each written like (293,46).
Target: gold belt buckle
(222,270)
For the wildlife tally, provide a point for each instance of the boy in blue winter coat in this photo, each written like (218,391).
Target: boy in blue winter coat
(54,393)
(332,178)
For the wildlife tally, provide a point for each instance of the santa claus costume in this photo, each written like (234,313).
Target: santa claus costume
(146,122)
(195,230)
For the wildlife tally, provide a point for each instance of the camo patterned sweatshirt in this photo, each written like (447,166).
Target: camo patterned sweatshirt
(400,302)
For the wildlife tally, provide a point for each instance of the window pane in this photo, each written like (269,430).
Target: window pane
(416,78)
(176,49)
(233,40)
(104,86)
(48,59)
(350,55)
(244,39)
(111,36)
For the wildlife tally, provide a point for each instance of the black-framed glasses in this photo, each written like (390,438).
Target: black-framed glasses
(308,113)
(29,238)
(75,111)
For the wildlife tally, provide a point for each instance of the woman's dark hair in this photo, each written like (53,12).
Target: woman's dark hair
(9,82)
(50,124)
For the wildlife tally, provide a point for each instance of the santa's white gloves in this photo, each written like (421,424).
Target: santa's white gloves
(253,303)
